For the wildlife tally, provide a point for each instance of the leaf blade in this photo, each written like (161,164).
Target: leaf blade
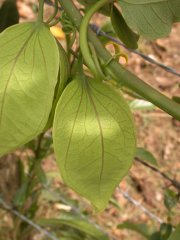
(76,223)
(125,34)
(152,19)
(176,234)
(139,228)
(27,84)
(90,136)
(146,156)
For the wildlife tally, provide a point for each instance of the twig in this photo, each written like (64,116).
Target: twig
(38,146)
(174,183)
(98,31)
(140,206)
(7,207)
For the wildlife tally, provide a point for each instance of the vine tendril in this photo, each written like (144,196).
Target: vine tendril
(84,32)
(54,13)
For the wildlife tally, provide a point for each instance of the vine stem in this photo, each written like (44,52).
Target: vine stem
(118,72)
(40,11)
(173,182)
(83,35)
(54,13)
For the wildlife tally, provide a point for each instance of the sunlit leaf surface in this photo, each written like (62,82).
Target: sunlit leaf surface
(94,139)
(29,64)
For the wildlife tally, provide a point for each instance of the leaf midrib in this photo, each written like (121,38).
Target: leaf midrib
(100,129)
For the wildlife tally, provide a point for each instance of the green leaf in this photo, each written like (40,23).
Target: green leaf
(29,63)
(165,231)
(75,222)
(155,236)
(125,34)
(94,139)
(115,203)
(8,14)
(171,199)
(107,28)
(64,74)
(176,234)
(151,18)
(146,156)
(139,228)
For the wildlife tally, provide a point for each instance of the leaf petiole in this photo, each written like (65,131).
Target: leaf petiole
(83,40)
(40,11)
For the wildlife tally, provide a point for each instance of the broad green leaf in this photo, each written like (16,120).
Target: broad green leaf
(8,14)
(151,18)
(75,222)
(125,34)
(140,104)
(94,139)
(176,234)
(139,228)
(146,156)
(29,65)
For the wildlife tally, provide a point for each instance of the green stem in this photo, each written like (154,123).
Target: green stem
(54,22)
(54,13)
(121,74)
(40,11)
(100,73)
(83,35)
